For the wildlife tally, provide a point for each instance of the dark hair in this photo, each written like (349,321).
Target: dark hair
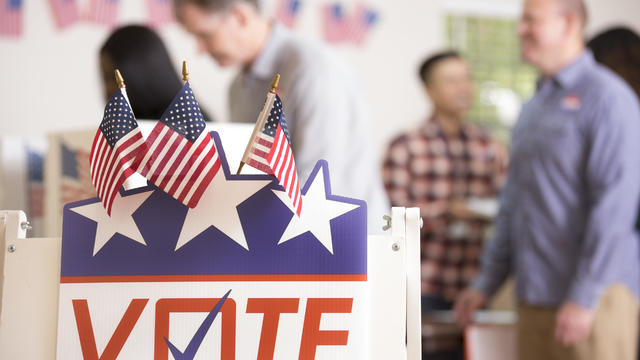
(619,49)
(427,66)
(143,60)
(212,5)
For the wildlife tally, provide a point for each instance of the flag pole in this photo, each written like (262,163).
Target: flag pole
(128,184)
(272,90)
(185,71)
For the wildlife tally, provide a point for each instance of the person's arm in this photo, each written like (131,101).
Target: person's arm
(613,182)
(495,263)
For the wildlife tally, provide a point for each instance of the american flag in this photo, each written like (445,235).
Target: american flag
(65,12)
(180,156)
(160,12)
(11,17)
(334,23)
(115,148)
(36,183)
(103,12)
(362,21)
(76,177)
(287,11)
(269,149)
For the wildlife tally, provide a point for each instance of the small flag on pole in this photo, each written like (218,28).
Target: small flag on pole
(103,12)
(269,148)
(180,156)
(11,17)
(115,148)
(160,12)
(65,12)
(287,11)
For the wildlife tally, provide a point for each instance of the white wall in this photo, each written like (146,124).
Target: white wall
(49,79)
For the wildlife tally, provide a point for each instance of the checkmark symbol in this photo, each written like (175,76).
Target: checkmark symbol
(191,350)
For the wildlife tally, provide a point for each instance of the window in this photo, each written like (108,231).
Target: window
(503,82)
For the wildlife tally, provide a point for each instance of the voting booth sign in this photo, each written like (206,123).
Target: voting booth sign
(240,276)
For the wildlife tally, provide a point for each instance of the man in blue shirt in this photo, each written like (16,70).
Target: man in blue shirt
(566,224)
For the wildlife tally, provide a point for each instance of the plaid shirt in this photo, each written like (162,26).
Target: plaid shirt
(424,168)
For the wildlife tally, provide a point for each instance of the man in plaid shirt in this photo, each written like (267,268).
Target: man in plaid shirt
(439,167)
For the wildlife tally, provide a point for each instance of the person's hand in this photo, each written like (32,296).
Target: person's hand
(573,323)
(466,305)
(458,209)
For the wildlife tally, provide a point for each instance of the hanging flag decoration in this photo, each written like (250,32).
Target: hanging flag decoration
(361,23)
(65,12)
(339,27)
(334,23)
(180,157)
(11,18)
(269,149)
(160,12)
(103,12)
(287,11)
(115,147)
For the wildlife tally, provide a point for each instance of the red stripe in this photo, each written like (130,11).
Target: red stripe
(119,148)
(280,161)
(103,152)
(183,152)
(157,150)
(185,169)
(193,202)
(260,153)
(194,177)
(95,140)
(264,142)
(165,160)
(287,176)
(211,278)
(105,170)
(114,171)
(276,140)
(151,147)
(260,166)
(104,181)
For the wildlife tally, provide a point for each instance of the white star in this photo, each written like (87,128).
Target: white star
(217,207)
(317,212)
(120,220)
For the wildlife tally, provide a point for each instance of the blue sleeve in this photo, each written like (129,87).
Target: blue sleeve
(612,176)
(497,254)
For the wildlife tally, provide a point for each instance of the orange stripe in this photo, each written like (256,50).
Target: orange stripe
(212,278)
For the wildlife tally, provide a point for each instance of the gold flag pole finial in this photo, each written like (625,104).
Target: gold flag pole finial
(185,71)
(274,84)
(119,79)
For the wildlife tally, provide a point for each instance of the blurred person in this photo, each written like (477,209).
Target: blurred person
(619,50)
(439,167)
(144,62)
(565,227)
(324,106)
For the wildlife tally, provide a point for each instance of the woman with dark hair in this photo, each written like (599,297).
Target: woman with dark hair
(619,49)
(151,78)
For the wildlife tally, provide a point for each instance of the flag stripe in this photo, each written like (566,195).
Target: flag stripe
(203,185)
(199,155)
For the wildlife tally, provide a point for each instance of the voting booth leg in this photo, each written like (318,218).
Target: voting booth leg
(394,280)
(28,289)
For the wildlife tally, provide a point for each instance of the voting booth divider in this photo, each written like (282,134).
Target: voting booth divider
(239,276)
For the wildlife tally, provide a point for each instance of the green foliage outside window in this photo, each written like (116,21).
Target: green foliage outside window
(502,81)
